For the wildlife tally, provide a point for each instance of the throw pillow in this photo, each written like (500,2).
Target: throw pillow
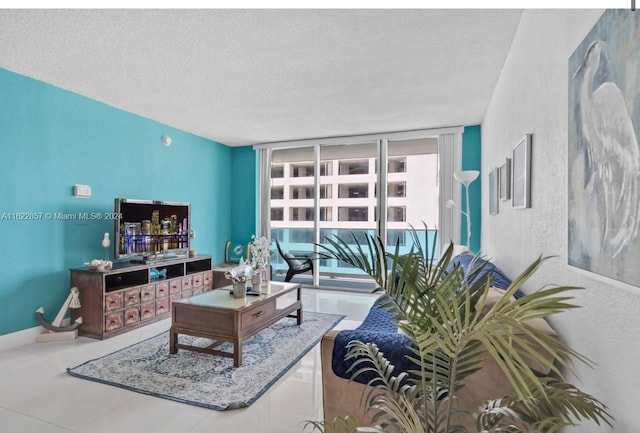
(469,262)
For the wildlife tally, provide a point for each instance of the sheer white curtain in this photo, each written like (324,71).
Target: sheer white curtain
(264,193)
(450,153)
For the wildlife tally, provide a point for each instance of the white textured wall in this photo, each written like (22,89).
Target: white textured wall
(531,96)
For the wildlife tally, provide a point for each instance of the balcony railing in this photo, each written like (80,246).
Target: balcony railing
(299,241)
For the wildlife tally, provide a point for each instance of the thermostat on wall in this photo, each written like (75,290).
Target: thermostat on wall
(81,191)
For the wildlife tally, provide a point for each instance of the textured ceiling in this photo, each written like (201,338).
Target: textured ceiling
(253,76)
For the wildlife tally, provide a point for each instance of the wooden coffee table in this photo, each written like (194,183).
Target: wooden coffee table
(219,316)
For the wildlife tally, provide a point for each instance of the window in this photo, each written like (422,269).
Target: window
(325,191)
(277,214)
(352,213)
(345,202)
(301,192)
(353,167)
(397,189)
(326,168)
(397,165)
(277,171)
(298,192)
(301,214)
(325,213)
(277,192)
(353,190)
(302,170)
(396,214)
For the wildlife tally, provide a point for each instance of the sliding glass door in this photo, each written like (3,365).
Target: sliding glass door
(307,209)
(413,193)
(379,187)
(350,207)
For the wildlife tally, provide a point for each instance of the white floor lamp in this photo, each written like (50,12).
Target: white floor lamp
(465,178)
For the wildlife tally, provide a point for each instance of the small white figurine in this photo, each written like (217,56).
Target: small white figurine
(106,243)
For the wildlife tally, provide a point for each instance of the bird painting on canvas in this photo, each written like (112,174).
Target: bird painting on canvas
(612,153)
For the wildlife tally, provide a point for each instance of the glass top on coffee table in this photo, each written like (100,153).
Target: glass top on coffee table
(223,296)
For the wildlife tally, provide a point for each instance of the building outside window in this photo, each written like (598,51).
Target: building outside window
(351,190)
(277,192)
(277,214)
(277,171)
(396,214)
(347,200)
(397,189)
(325,191)
(353,167)
(301,192)
(301,214)
(352,213)
(302,170)
(325,213)
(397,165)
(326,168)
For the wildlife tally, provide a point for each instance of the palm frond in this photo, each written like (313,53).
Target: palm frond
(444,312)
(506,330)
(388,395)
(346,424)
(558,405)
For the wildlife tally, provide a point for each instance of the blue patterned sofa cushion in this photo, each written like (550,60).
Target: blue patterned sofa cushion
(469,262)
(379,328)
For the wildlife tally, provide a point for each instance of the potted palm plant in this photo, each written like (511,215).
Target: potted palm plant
(450,325)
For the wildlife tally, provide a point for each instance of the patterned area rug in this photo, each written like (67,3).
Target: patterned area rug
(207,380)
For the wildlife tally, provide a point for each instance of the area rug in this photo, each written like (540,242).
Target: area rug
(207,380)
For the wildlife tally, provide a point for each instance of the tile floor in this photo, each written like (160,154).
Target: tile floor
(38,396)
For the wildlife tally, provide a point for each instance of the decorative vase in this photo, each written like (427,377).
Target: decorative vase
(240,289)
(256,280)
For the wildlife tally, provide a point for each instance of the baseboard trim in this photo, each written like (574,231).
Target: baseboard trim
(19,338)
(25,336)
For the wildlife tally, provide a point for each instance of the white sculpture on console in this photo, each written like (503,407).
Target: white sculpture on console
(240,273)
(106,243)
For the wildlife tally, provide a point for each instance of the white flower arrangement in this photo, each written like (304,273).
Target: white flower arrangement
(240,273)
(260,252)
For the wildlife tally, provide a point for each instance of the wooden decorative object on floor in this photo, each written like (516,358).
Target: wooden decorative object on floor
(54,331)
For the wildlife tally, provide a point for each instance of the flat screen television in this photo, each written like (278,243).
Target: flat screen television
(150,230)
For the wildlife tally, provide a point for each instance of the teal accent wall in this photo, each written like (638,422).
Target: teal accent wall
(243,203)
(471,160)
(52,139)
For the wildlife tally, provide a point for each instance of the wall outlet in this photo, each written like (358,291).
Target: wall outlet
(81,191)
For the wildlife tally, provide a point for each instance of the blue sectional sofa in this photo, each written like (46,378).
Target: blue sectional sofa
(341,396)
